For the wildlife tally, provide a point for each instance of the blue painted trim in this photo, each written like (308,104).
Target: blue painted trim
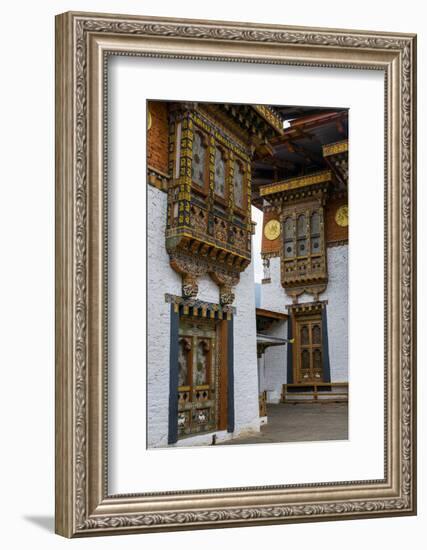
(325,347)
(173,377)
(289,355)
(230,363)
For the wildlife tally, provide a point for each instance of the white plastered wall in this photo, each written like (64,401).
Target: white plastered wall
(163,279)
(273,297)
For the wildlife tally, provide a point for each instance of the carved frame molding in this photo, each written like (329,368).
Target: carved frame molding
(83,43)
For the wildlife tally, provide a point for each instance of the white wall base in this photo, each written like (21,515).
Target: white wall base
(163,279)
(223,435)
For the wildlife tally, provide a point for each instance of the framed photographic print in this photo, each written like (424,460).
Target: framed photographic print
(235,274)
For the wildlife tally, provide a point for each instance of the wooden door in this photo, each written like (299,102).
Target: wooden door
(197,376)
(309,353)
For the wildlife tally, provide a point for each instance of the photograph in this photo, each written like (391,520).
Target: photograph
(247,260)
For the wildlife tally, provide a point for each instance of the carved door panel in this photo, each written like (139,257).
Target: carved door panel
(309,358)
(197,376)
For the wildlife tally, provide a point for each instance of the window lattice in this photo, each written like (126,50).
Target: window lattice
(238,185)
(198,166)
(219,173)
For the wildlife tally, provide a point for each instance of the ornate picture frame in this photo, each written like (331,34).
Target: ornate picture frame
(83,43)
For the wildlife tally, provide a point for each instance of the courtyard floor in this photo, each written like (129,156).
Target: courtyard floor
(301,422)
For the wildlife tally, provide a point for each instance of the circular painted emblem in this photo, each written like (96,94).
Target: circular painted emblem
(341,216)
(272,230)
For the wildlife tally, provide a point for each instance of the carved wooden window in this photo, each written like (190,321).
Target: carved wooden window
(289,231)
(178,136)
(184,362)
(301,235)
(315,233)
(201,371)
(303,254)
(308,349)
(238,185)
(304,335)
(220,169)
(200,155)
(296,242)
(197,376)
(316,334)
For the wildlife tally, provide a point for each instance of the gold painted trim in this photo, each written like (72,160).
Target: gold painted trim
(335,148)
(181,232)
(83,43)
(269,116)
(296,183)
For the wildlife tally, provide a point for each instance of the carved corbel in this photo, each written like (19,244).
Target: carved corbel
(190,286)
(190,270)
(226,295)
(315,291)
(294,293)
(226,283)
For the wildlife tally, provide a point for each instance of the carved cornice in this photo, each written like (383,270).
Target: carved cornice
(209,117)
(270,116)
(157,179)
(336,156)
(267,255)
(83,25)
(296,183)
(335,148)
(208,253)
(307,307)
(199,307)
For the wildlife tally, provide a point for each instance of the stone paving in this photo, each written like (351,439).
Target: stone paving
(301,422)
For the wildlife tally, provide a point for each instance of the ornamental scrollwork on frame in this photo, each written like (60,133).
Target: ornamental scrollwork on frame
(207,31)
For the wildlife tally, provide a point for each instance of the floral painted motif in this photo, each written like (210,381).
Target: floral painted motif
(219,173)
(238,185)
